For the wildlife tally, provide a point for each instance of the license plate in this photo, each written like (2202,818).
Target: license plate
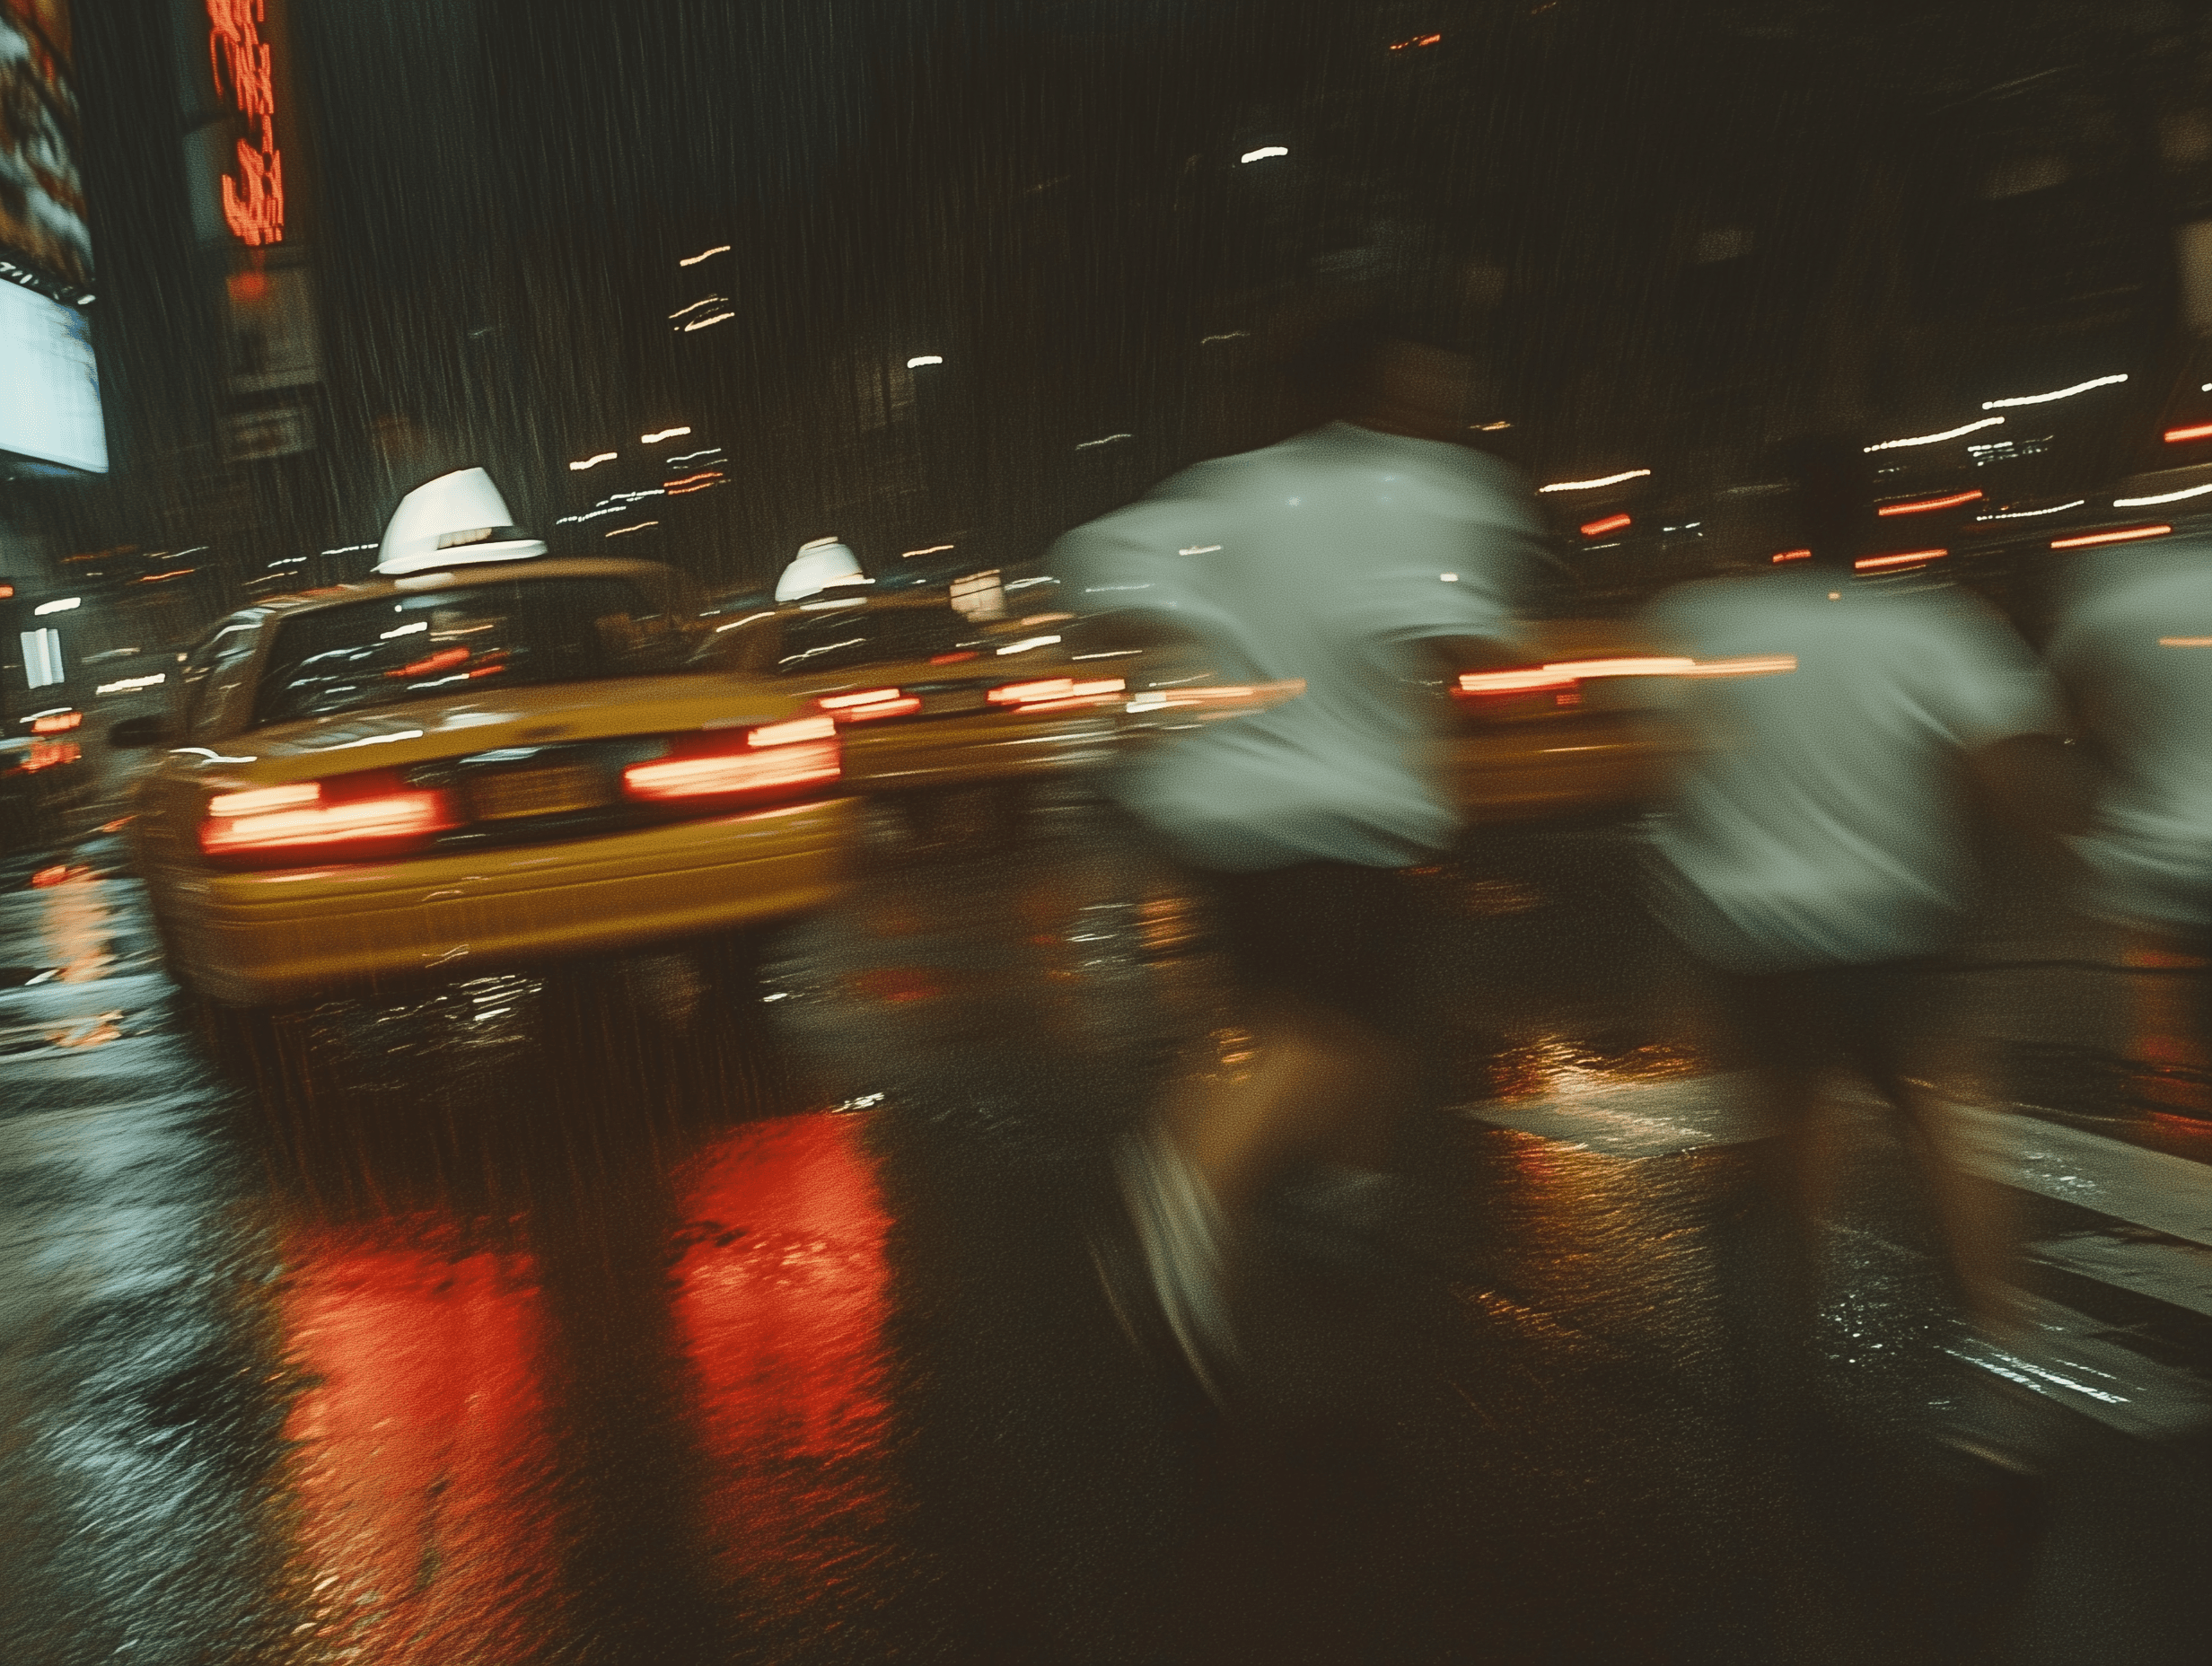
(538,792)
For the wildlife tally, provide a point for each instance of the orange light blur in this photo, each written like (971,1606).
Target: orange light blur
(1926,503)
(421,1438)
(438,661)
(2199,431)
(782,1328)
(253,200)
(1749,665)
(1875,564)
(2125,535)
(395,818)
(1610,523)
(906,705)
(1058,693)
(723,775)
(1418,40)
(1791,555)
(48,755)
(953,658)
(57,723)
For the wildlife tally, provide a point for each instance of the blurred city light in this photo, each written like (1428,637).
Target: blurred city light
(2056,393)
(664,433)
(719,248)
(2022,514)
(920,359)
(1934,439)
(1923,505)
(2124,535)
(1585,486)
(1264,151)
(2162,497)
(591,461)
(67,604)
(1872,564)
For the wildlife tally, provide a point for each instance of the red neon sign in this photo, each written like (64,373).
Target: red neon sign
(253,198)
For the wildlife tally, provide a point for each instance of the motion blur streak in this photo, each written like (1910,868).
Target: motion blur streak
(2058,393)
(2175,436)
(1934,439)
(1610,523)
(779,1305)
(1586,485)
(1870,563)
(418,1450)
(1791,555)
(2125,535)
(1925,504)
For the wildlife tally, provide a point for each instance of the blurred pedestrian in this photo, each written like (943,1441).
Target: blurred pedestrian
(2134,650)
(1815,849)
(1371,559)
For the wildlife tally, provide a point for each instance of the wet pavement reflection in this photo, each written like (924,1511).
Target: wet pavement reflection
(646,1313)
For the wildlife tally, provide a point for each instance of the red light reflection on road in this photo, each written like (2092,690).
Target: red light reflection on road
(781,1301)
(419,1448)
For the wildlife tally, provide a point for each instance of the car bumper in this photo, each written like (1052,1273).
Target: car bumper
(255,939)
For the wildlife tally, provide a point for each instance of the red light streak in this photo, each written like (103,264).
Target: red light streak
(1870,563)
(437,662)
(1926,503)
(783,1328)
(2123,536)
(1791,555)
(2201,431)
(253,198)
(421,1439)
(1611,523)
(60,723)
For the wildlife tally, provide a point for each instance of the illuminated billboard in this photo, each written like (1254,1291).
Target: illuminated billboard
(41,195)
(49,400)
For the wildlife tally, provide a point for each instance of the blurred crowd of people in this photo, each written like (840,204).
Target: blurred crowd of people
(1834,743)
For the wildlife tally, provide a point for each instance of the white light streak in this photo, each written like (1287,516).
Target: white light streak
(1933,439)
(719,248)
(1227,335)
(920,359)
(403,630)
(1585,485)
(1084,446)
(1200,549)
(2056,393)
(2022,514)
(712,318)
(1264,151)
(67,604)
(703,301)
(1026,644)
(655,437)
(2163,498)
(128,683)
(685,456)
(931,550)
(618,531)
(591,461)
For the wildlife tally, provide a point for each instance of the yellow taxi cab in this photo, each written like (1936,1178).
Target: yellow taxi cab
(478,758)
(926,697)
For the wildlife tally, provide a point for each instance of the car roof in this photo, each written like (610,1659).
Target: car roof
(461,576)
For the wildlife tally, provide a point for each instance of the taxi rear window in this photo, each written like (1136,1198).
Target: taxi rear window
(446,642)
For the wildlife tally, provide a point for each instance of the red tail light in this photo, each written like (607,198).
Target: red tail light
(1052,693)
(869,705)
(354,817)
(739,765)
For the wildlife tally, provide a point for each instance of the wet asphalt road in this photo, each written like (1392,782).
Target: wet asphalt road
(644,1316)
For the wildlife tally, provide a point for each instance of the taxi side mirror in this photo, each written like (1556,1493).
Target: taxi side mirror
(135,733)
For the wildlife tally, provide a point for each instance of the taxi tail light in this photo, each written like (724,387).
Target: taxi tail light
(715,768)
(354,817)
(869,705)
(1050,693)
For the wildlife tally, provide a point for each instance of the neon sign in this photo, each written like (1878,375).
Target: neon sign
(253,198)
